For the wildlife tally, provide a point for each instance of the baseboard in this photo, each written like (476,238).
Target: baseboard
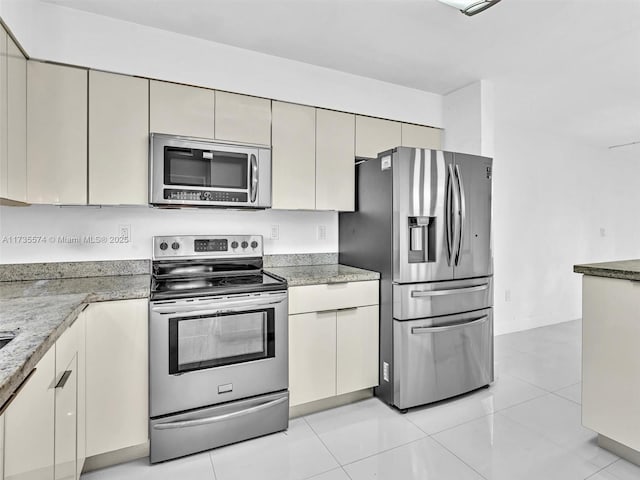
(116,457)
(327,403)
(619,449)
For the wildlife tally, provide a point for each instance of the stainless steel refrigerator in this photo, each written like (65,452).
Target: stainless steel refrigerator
(423,220)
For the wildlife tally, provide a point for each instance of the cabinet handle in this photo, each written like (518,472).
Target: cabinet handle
(63,379)
(446,328)
(347,309)
(16,392)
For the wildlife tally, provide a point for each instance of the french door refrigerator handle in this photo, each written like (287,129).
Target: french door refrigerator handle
(219,418)
(475,321)
(449,217)
(463,212)
(448,291)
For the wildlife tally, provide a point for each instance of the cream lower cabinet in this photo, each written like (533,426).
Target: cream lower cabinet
(333,340)
(1,445)
(29,425)
(117,375)
(610,358)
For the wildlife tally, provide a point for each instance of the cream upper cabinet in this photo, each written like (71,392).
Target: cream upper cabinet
(4,158)
(335,160)
(357,349)
(16,123)
(241,118)
(118,139)
(56,134)
(293,156)
(374,135)
(181,110)
(421,137)
(116,375)
(29,425)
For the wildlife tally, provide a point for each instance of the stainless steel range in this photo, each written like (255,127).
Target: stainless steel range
(218,345)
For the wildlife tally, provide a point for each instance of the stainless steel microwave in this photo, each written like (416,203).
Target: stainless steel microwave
(196,172)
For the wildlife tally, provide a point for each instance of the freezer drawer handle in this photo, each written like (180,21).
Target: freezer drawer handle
(219,418)
(475,321)
(448,291)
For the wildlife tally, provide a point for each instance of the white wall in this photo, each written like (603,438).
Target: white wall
(552,197)
(60,34)
(42,233)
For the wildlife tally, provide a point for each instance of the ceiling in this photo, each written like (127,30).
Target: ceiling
(572,66)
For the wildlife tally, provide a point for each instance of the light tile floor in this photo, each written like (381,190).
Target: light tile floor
(525,426)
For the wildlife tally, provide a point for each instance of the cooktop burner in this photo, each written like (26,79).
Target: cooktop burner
(183,267)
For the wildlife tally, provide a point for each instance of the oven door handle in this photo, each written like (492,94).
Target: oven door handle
(219,418)
(217,305)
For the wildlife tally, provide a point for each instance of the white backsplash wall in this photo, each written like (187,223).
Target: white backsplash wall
(42,233)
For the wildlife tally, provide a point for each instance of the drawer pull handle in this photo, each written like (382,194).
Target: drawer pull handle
(474,321)
(63,379)
(448,291)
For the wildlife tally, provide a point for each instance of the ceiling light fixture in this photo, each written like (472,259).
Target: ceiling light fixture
(470,7)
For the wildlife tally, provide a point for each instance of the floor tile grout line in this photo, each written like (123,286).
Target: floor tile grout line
(323,444)
(210,453)
(565,398)
(453,453)
(604,468)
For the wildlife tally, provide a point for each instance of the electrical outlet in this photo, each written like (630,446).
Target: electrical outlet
(275,232)
(322,232)
(124,231)
(507,295)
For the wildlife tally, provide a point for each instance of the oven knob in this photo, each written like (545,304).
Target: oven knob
(164,246)
(206,195)
(254,244)
(234,244)
(175,245)
(244,244)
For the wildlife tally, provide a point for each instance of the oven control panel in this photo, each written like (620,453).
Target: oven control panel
(211,246)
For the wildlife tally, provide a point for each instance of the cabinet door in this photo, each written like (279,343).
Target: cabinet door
(241,118)
(66,394)
(80,326)
(118,139)
(4,159)
(16,123)
(2,446)
(117,375)
(29,425)
(357,349)
(335,160)
(421,137)
(374,135)
(312,356)
(56,134)
(181,110)
(293,157)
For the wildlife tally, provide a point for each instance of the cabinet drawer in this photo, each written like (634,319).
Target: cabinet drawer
(332,296)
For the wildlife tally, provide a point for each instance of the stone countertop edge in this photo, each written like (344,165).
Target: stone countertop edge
(623,269)
(297,276)
(23,366)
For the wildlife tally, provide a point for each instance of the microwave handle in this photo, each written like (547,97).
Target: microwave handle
(253,175)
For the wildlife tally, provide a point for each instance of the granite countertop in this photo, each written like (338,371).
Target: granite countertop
(623,269)
(317,274)
(38,311)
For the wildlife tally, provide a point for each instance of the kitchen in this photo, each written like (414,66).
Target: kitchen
(502,118)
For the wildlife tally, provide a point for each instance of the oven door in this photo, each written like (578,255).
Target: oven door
(205,351)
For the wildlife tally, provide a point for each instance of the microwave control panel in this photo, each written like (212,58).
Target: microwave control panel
(205,196)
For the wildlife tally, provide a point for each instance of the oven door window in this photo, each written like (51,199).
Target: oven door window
(202,168)
(206,341)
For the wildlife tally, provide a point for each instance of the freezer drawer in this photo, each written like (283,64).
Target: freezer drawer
(420,300)
(441,357)
(177,435)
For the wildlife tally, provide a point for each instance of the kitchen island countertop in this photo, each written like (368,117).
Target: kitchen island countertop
(623,269)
